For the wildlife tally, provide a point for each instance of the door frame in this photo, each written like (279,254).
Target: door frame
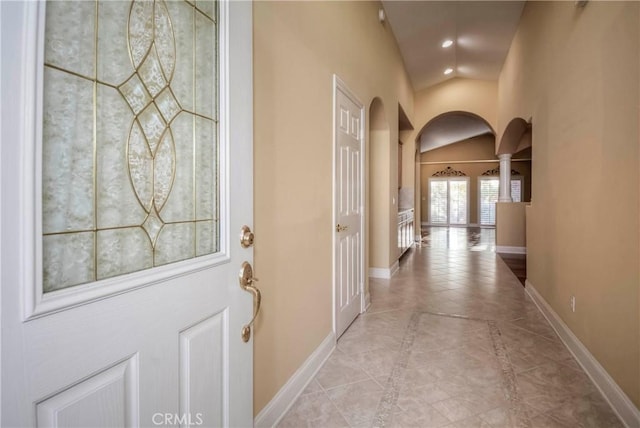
(340,85)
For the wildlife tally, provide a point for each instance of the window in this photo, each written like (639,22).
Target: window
(516,189)
(488,196)
(449,201)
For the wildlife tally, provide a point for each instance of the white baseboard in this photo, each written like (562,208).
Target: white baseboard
(282,401)
(511,250)
(619,401)
(384,273)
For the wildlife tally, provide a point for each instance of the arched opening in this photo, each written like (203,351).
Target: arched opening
(455,149)
(516,137)
(511,228)
(379,186)
(451,127)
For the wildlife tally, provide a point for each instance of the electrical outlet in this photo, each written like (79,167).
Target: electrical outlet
(572,302)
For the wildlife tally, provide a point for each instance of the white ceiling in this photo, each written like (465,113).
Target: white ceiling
(482,32)
(451,128)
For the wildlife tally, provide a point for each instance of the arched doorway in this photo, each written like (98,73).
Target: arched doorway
(455,148)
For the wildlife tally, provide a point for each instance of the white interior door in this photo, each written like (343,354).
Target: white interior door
(130,123)
(348,206)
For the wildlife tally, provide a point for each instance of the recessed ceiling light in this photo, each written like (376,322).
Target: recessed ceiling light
(447,43)
(448,70)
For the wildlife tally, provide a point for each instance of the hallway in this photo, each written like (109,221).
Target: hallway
(451,340)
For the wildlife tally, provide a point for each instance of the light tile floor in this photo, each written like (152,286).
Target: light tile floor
(452,340)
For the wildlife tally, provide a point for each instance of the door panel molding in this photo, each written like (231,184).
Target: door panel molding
(116,387)
(202,345)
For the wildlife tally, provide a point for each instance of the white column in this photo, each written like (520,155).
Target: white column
(505,178)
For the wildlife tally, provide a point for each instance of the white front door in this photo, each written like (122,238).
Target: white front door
(126,177)
(348,206)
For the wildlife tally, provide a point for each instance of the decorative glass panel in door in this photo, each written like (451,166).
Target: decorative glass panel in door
(130,128)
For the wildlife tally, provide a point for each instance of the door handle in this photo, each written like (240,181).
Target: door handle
(246,283)
(340,228)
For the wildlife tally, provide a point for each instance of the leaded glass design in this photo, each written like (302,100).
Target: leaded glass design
(129,147)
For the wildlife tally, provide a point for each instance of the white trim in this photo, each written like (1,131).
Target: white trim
(273,412)
(1,133)
(619,401)
(384,273)
(510,250)
(340,85)
(471,161)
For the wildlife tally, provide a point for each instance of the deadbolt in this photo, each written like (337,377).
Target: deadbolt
(246,237)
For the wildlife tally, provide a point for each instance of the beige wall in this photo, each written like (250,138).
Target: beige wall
(479,97)
(510,224)
(578,81)
(379,189)
(473,149)
(297,48)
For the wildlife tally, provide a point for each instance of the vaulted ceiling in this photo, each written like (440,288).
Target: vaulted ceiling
(481,33)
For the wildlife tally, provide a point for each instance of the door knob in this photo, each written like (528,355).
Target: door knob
(246,283)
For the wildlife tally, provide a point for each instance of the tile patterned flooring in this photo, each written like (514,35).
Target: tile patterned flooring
(452,340)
